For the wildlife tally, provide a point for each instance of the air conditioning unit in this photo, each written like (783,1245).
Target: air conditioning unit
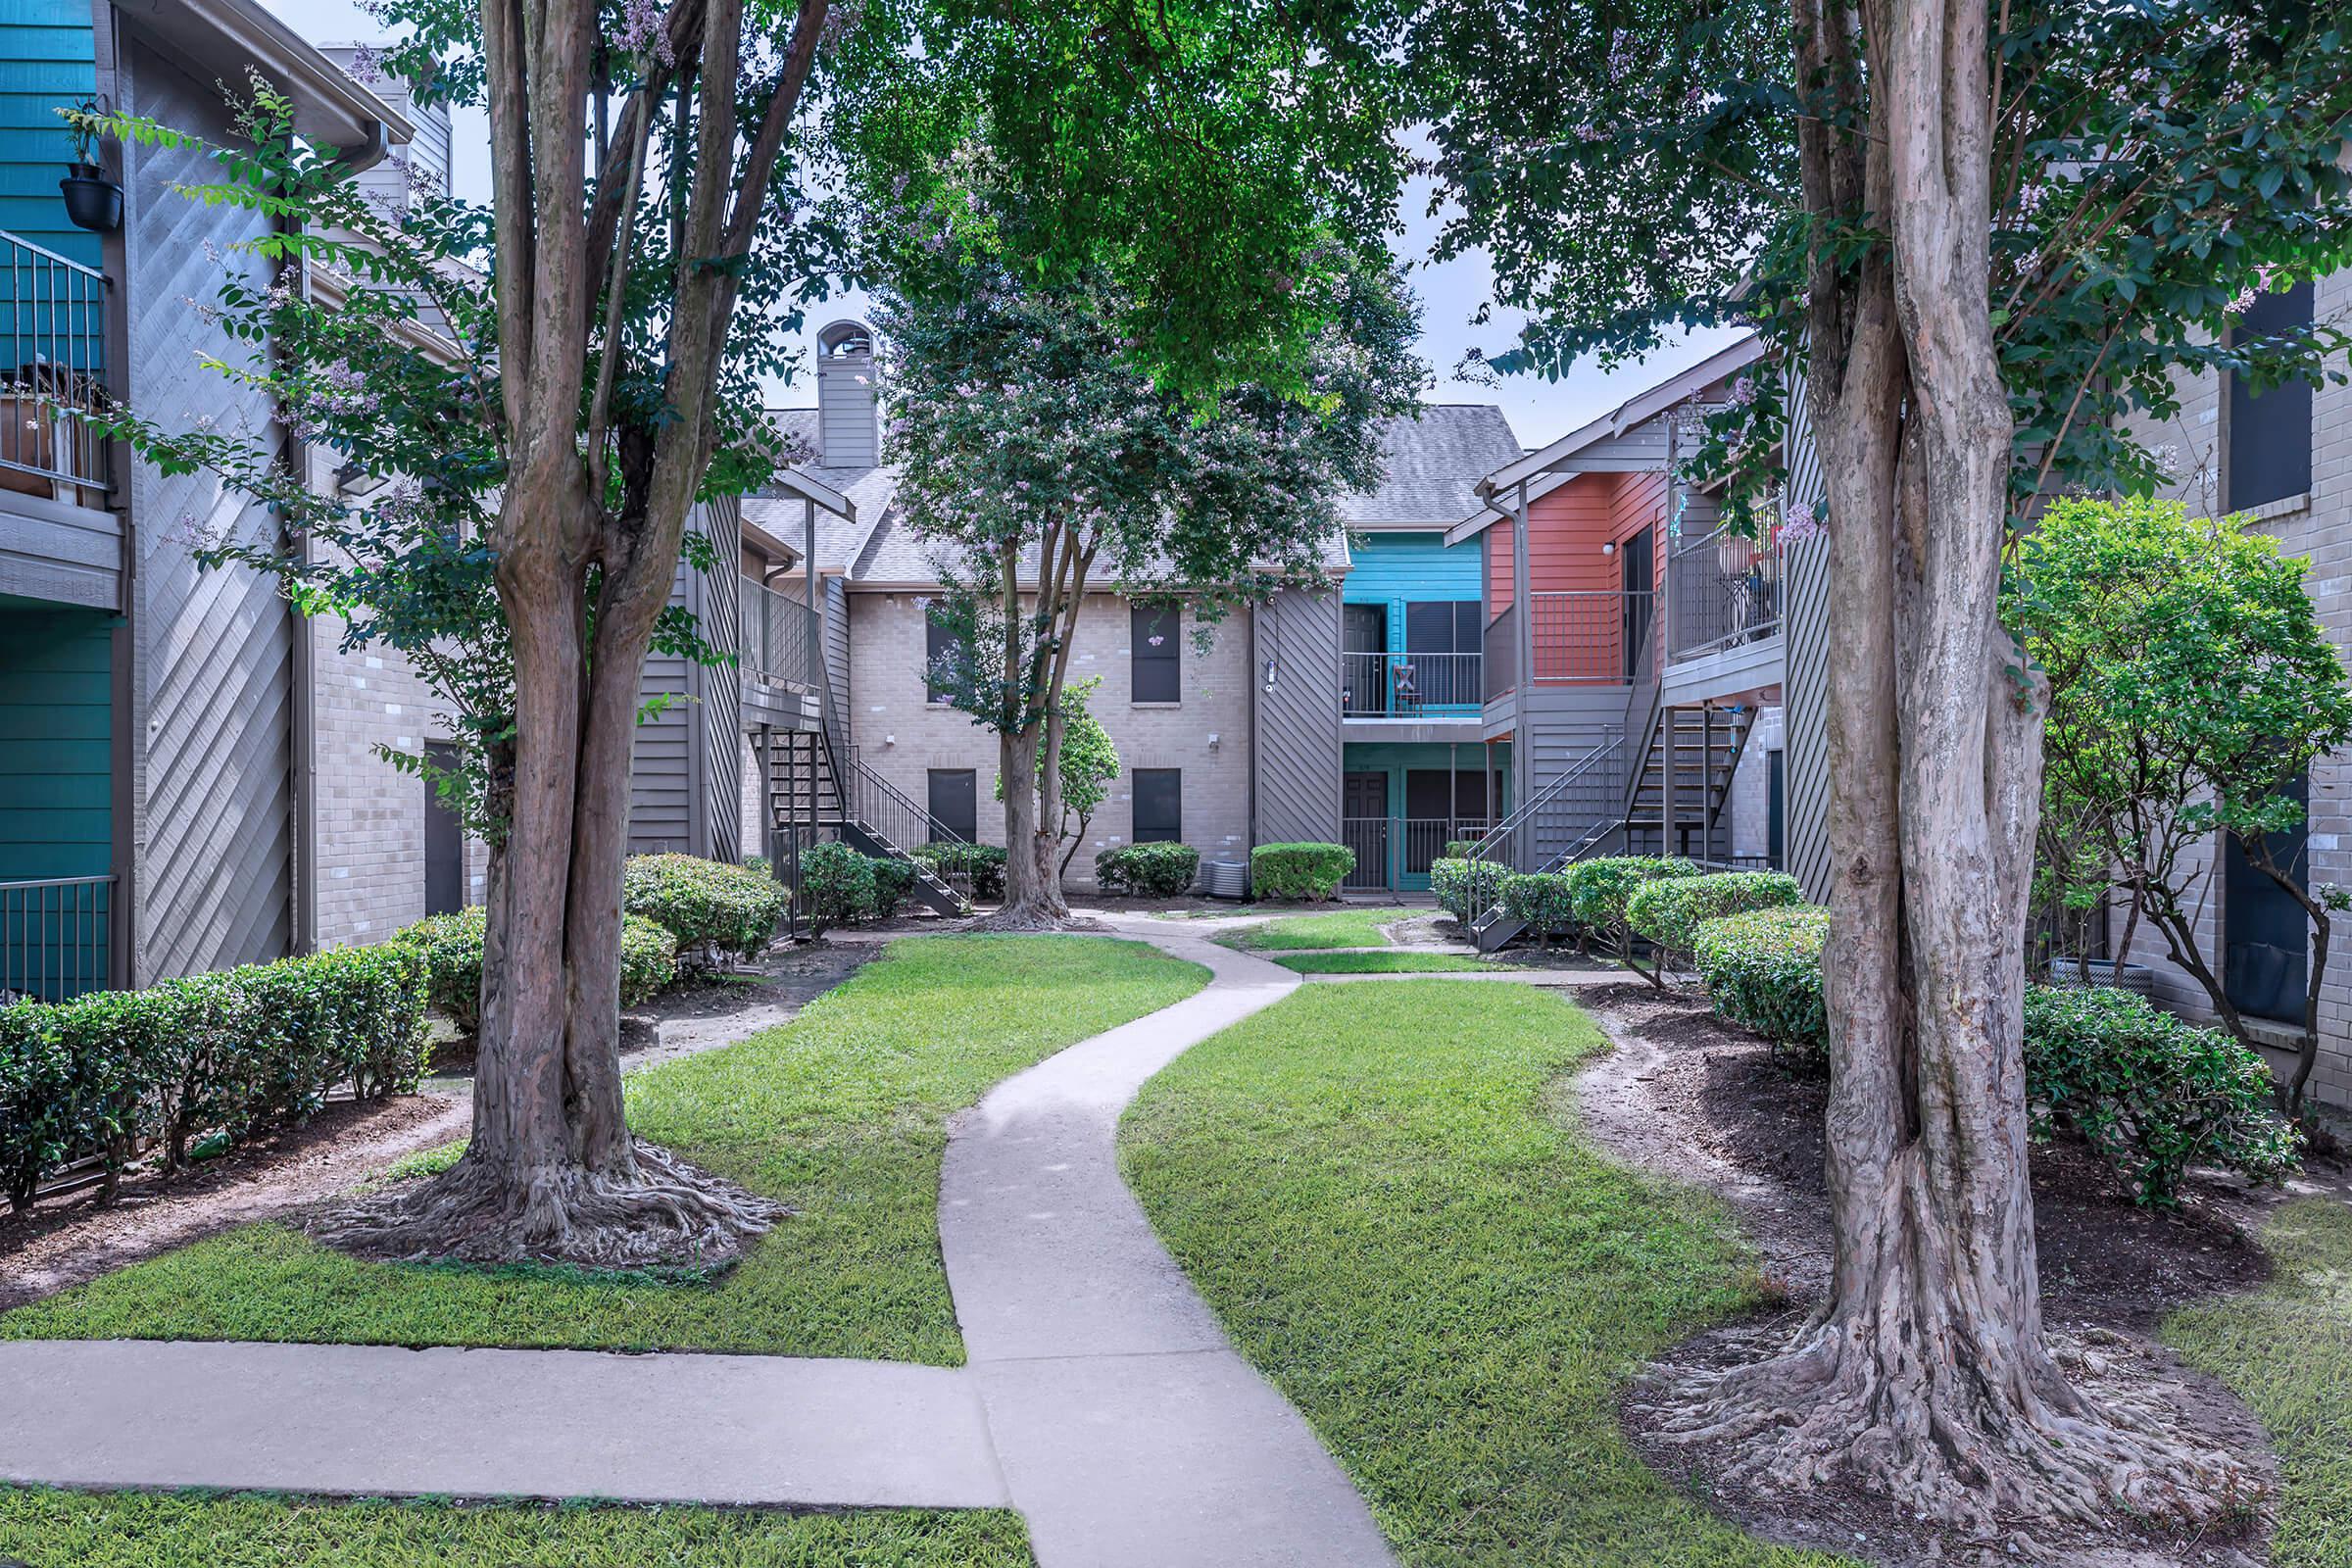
(1225,879)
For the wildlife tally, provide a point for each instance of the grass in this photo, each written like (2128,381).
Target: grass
(1384,1197)
(842,1113)
(1396,962)
(1343,928)
(2287,1348)
(48,1529)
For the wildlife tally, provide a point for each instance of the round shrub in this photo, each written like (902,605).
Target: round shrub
(838,884)
(1669,911)
(1539,900)
(1306,871)
(2149,1093)
(1147,870)
(1464,891)
(894,880)
(1762,971)
(984,864)
(707,906)
(1600,889)
(451,947)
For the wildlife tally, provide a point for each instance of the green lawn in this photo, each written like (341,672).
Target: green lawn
(1393,962)
(2287,1348)
(1342,928)
(1382,1193)
(150,1530)
(842,1113)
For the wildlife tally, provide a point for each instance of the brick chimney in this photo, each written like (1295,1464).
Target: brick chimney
(847,437)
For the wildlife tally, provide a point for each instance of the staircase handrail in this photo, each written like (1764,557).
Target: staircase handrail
(1503,831)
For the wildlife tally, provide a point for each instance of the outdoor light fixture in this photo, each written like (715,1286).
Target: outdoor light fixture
(1610,549)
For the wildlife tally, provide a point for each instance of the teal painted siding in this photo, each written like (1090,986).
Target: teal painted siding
(1409,566)
(56,743)
(47,62)
(1405,846)
(1397,569)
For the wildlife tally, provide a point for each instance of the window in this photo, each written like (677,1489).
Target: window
(939,650)
(954,804)
(1159,805)
(2270,434)
(1157,638)
(2266,937)
(444,836)
(1442,642)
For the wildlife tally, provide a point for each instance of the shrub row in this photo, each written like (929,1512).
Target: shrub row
(1669,911)
(710,906)
(984,864)
(451,945)
(1539,901)
(844,887)
(228,1054)
(1465,893)
(1147,870)
(2149,1093)
(1298,870)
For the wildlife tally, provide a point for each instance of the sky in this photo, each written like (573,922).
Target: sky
(1450,293)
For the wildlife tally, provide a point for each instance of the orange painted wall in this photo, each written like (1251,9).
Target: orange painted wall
(1565,531)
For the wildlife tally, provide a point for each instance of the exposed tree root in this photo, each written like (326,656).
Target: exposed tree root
(665,1215)
(2033,1464)
(1035,919)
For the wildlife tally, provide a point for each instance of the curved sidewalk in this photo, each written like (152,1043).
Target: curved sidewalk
(1101,1398)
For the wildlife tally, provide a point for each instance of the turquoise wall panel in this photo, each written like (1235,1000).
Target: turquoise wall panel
(47,61)
(56,756)
(1407,567)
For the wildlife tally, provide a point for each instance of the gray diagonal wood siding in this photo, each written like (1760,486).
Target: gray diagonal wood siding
(212,788)
(720,716)
(1806,751)
(1297,742)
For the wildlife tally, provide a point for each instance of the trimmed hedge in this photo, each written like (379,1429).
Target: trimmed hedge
(1306,871)
(231,1053)
(451,947)
(709,906)
(983,862)
(1147,870)
(1762,971)
(1669,911)
(1539,900)
(1598,891)
(841,886)
(1462,894)
(2150,1094)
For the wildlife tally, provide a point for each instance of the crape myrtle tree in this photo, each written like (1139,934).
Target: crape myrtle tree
(1984,232)
(2189,679)
(1089,764)
(656,181)
(1041,463)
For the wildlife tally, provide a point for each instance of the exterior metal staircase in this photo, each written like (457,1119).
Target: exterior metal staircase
(1703,747)
(818,789)
(1564,821)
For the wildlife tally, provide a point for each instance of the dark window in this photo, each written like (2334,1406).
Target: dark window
(444,838)
(1639,568)
(1442,644)
(1159,805)
(954,804)
(1776,810)
(939,652)
(2270,434)
(1364,658)
(2264,934)
(1156,635)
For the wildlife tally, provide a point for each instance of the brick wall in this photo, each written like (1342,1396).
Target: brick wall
(370,817)
(1748,808)
(2320,529)
(902,737)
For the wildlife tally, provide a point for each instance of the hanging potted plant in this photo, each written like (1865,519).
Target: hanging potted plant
(1735,553)
(92,200)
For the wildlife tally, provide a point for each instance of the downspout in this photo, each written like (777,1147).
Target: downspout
(128,716)
(1523,633)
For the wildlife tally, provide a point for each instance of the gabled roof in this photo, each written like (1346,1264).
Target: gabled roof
(1646,405)
(852,504)
(1435,459)
(220,40)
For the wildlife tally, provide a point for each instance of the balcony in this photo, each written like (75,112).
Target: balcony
(1589,637)
(1411,686)
(780,686)
(57,542)
(1723,622)
(56,937)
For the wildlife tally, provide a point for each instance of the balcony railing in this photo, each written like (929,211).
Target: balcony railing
(52,379)
(1588,637)
(1389,849)
(1726,591)
(1410,685)
(777,635)
(53,937)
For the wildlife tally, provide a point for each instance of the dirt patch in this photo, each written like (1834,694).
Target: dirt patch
(67,1239)
(1695,1099)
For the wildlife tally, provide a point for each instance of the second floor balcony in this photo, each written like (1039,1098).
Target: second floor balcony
(1410,685)
(1725,593)
(52,377)
(1585,637)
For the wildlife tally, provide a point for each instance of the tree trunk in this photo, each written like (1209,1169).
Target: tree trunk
(1033,897)
(1925,1377)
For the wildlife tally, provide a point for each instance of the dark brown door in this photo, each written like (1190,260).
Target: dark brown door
(1365,810)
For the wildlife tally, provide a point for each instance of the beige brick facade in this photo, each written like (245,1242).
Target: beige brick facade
(2316,526)
(1205,735)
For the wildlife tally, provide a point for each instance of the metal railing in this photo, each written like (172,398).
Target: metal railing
(1725,590)
(53,321)
(1586,637)
(1389,849)
(1410,685)
(1563,819)
(54,936)
(777,635)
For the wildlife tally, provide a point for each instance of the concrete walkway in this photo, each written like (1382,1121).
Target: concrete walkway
(1101,1398)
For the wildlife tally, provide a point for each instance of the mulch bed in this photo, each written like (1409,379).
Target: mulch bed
(1696,1099)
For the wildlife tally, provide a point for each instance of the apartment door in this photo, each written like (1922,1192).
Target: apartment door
(1364,659)
(444,838)
(1364,827)
(1776,810)
(1639,568)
